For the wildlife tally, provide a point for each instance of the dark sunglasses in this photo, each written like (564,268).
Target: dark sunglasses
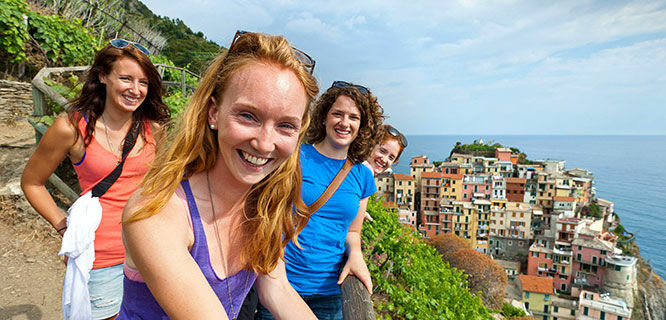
(394,132)
(122,43)
(341,84)
(301,56)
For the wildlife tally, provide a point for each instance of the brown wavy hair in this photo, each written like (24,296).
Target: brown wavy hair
(372,116)
(90,103)
(192,147)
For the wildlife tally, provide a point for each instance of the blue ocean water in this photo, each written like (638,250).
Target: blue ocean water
(628,170)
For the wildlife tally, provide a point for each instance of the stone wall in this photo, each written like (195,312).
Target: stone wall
(15,100)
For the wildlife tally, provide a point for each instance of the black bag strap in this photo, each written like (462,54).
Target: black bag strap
(103,186)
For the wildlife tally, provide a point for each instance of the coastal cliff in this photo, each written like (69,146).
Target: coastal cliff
(650,302)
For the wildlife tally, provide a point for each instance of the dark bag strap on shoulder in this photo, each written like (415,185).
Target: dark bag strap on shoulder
(330,190)
(103,186)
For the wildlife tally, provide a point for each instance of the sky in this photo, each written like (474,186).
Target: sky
(473,67)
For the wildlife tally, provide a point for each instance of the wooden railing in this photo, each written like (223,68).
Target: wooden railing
(183,86)
(356,301)
(40,91)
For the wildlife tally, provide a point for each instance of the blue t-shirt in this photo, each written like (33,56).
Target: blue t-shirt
(314,269)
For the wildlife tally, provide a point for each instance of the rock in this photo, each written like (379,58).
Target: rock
(12,188)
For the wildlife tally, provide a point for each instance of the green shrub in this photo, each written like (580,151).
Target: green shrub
(13,31)
(419,285)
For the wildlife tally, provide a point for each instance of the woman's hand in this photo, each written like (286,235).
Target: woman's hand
(279,297)
(356,266)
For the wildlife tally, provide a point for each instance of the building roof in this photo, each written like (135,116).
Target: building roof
(503,149)
(508,264)
(481,201)
(433,174)
(603,202)
(593,243)
(536,284)
(515,180)
(402,176)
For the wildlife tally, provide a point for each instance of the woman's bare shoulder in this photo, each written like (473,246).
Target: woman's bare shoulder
(63,130)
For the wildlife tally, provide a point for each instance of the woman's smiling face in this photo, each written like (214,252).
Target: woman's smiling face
(126,85)
(258,121)
(384,155)
(342,123)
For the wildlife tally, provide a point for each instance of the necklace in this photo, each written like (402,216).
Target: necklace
(224,263)
(108,140)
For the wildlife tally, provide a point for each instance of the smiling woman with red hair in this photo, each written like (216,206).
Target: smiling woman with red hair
(215,211)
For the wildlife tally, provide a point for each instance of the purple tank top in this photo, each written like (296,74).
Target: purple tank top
(139,303)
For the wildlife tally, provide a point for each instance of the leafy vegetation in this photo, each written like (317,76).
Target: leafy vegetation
(486,149)
(62,42)
(484,275)
(418,283)
(594,210)
(13,31)
(509,311)
(187,49)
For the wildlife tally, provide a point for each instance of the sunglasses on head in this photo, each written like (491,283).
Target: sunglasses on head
(341,84)
(301,56)
(394,132)
(122,43)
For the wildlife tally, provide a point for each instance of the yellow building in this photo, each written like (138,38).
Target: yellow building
(537,295)
(464,221)
(403,191)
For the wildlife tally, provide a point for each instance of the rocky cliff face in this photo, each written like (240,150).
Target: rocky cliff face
(650,301)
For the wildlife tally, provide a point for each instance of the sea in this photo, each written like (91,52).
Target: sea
(628,170)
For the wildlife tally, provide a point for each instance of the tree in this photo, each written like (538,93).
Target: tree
(484,275)
(595,211)
(447,244)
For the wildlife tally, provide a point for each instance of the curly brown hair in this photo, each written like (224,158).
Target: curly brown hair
(372,117)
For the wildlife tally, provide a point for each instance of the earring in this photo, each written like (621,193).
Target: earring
(212,127)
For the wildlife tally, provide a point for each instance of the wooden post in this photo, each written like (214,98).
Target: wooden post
(356,301)
(182,82)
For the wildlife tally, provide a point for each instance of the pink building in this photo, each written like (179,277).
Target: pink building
(503,154)
(476,187)
(540,260)
(589,266)
(592,305)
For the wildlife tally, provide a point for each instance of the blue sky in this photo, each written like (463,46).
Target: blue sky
(473,67)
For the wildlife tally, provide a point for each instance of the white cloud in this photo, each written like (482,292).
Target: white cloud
(307,24)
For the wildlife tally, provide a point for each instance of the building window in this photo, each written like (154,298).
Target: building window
(546,298)
(555,309)
(527,295)
(586,310)
(602,315)
(573,312)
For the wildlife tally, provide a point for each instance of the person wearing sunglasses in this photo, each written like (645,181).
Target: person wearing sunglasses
(345,121)
(214,212)
(388,151)
(122,88)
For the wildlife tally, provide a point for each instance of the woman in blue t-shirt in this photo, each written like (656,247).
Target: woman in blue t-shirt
(345,123)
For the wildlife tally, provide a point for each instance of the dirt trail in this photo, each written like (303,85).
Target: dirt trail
(31,273)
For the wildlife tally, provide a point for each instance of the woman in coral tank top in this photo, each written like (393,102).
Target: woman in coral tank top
(122,87)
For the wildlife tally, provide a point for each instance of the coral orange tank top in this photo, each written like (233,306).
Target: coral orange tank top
(96,164)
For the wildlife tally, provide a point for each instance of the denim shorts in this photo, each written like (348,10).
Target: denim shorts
(106,291)
(325,307)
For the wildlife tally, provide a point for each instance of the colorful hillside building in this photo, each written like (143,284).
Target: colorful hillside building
(537,295)
(404,190)
(592,305)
